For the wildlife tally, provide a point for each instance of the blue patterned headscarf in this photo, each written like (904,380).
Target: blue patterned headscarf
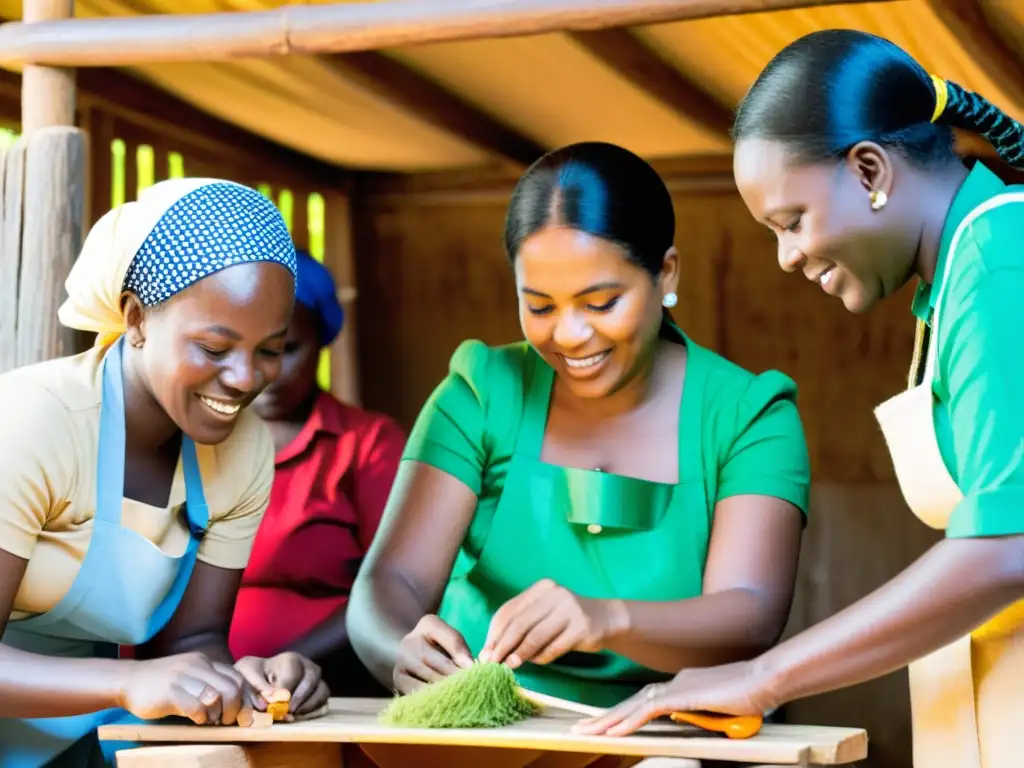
(209,229)
(317,291)
(177,233)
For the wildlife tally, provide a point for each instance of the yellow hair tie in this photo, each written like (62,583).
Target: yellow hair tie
(941,96)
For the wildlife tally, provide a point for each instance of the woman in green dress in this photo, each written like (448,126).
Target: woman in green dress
(604,503)
(858,179)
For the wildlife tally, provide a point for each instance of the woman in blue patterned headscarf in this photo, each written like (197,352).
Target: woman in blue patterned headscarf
(134,478)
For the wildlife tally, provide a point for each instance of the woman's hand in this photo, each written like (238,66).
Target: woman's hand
(731,689)
(185,685)
(290,671)
(433,650)
(547,621)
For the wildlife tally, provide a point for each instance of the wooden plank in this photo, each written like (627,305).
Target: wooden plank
(10,253)
(966,21)
(232,756)
(54,204)
(433,104)
(341,27)
(624,53)
(193,131)
(355,720)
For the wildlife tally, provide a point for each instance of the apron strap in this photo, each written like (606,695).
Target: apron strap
(933,341)
(111,447)
(541,377)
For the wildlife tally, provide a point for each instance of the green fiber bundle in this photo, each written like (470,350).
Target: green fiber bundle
(482,696)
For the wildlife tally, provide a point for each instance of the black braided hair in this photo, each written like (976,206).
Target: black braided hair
(973,112)
(829,90)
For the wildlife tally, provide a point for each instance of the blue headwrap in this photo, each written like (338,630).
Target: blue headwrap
(210,228)
(317,292)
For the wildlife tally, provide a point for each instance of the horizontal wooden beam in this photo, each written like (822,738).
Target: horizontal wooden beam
(966,21)
(341,27)
(139,103)
(623,52)
(435,105)
(492,185)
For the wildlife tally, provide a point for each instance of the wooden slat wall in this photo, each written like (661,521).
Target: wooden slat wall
(116,107)
(431,272)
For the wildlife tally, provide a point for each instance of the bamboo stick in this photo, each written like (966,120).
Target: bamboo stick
(341,27)
(47,93)
(10,252)
(52,236)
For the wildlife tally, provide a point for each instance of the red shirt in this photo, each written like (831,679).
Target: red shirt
(330,487)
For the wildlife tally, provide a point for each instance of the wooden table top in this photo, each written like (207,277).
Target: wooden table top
(355,720)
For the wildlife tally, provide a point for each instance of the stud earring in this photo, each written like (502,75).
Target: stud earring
(878,199)
(670,300)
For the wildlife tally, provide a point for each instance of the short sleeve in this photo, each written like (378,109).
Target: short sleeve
(982,366)
(449,432)
(767,453)
(39,463)
(249,462)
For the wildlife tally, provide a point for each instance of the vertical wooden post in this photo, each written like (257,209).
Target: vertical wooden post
(51,218)
(47,93)
(339,258)
(51,239)
(10,252)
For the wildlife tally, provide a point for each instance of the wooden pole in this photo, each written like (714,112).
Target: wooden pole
(47,221)
(341,27)
(55,171)
(47,93)
(10,252)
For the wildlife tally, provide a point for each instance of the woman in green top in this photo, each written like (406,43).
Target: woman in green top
(858,179)
(604,503)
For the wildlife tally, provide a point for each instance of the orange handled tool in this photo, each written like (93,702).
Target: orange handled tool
(733,726)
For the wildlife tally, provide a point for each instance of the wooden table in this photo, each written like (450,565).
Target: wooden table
(350,736)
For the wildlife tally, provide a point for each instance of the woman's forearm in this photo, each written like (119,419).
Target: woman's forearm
(951,590)
(326,638)
(47,686)
(718,628)
(383,609)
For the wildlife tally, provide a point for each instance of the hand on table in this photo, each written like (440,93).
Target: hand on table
(732,689)
(290,671)
(185,685)
(547,621)
(433,650)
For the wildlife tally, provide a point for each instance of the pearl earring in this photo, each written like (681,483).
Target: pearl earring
(670,300)
(878,199)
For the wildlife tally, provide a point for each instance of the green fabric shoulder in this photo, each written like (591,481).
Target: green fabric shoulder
(753,432)
(473,415)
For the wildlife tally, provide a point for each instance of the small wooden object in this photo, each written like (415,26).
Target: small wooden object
(277,707)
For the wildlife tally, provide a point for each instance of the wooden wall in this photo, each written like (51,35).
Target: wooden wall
(431,272)
(139,135)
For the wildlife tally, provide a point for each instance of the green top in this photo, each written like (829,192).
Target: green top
(598,534)
(980,364)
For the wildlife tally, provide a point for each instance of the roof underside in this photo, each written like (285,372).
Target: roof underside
(550,89)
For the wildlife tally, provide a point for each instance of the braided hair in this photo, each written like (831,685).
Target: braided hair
(832,89)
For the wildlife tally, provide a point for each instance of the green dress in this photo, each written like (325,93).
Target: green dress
(979,368)
(598,534)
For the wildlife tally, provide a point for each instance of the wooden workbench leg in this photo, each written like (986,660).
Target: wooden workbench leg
(278,755)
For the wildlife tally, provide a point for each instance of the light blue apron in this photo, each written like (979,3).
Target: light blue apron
(126,590)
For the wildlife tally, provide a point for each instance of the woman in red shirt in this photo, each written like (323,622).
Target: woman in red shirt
(335,464)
